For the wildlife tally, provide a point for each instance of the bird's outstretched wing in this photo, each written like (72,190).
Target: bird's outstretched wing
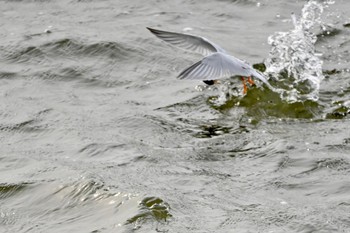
(188,42)
(220,65)
(216,66)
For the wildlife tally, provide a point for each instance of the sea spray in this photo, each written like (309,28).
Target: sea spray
(293,65)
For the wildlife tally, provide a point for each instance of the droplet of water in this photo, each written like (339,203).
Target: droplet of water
(187,29)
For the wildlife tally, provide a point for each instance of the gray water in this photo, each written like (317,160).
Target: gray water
(98,135)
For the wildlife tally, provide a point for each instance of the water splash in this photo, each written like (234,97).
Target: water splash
(293,64)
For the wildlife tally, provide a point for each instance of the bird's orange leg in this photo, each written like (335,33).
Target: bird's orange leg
(250,81)
(245,89)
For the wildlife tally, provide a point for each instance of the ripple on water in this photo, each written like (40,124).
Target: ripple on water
(9,193)
(25,126)
(8,75)
(113,154)
(32,125)
(30,54)
(9,190)
(62,74)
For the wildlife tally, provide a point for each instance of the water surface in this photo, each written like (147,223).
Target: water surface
(97,135)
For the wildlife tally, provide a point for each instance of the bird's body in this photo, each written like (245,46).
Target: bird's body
(217,63)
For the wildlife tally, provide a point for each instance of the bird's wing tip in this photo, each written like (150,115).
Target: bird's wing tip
(154,31)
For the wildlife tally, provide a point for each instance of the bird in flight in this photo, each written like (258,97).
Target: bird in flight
(217,63)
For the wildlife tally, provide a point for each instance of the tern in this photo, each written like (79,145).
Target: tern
(217,63)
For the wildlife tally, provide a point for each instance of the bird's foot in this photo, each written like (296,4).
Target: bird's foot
(245,88)
(250,81)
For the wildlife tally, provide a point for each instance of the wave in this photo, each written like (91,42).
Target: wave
(65,48)
(69,59)
(74,47)
(77,202)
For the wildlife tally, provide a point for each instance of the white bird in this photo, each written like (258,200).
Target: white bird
(216,64)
